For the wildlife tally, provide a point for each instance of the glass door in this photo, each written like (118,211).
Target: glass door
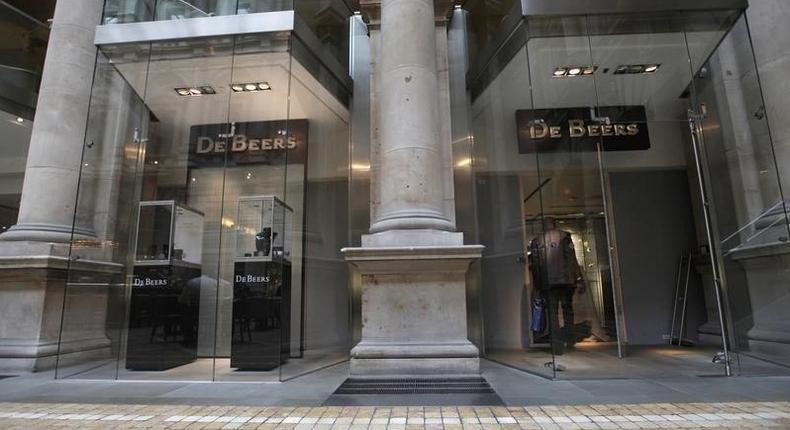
(571,273)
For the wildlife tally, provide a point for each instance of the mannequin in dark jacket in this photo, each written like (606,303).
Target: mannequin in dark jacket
(557,276)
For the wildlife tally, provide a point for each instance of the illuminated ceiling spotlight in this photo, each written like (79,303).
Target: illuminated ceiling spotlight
(636,69)
(573,71)
(652,68)
(198,90)
(250,87)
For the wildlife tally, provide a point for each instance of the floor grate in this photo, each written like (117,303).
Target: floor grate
(415,386)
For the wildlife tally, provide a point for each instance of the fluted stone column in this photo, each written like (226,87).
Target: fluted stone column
(413,264)
(46,211)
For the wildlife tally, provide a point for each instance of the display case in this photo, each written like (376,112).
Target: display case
(260,229)
(165,296)
(168,232)
(261,284)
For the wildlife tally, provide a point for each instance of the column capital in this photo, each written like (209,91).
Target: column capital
(371,11)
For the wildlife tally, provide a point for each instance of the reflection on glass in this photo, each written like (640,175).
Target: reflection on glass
(744,182)
(125,11)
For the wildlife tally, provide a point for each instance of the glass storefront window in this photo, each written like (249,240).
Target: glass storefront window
(208,164)
(641,142)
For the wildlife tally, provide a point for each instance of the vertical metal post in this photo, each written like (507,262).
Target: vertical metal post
(610,248)
(677,296)
(696,143)
(681,329)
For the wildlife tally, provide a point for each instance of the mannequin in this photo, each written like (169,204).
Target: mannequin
(556,276)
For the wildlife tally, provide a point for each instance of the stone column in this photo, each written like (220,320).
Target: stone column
(46,211)
(412,190)
(413,264)
(34,263)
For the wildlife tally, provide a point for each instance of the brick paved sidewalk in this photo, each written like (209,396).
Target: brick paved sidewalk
(621,416)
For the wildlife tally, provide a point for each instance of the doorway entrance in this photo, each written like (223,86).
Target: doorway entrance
(594,194)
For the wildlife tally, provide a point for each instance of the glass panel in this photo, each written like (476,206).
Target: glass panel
(317,185)
(572,226)
(99,279)
(172,317)
(328,21)
(153,231)
(508,193)
(643,82)
(257,272)
(125,11)
(750,227)
(485,21)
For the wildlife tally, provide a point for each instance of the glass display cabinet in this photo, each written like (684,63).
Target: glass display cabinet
(261,225)
(168,232)
(261,284)
(165,296)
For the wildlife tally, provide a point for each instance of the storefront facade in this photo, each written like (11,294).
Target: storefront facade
(621,165)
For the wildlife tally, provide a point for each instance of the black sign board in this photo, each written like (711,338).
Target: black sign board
(244,143)
(616,128)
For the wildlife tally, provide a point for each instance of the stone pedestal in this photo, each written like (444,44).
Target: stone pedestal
(767,270)
(414,311)
(413,264)
(39,283)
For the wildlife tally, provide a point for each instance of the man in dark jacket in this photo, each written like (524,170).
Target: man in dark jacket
(557,276)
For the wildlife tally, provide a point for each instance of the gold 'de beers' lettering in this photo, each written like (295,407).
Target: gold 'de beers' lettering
(578,129)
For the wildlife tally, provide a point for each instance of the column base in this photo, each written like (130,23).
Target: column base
(414,311)
(47,233)
(33,330)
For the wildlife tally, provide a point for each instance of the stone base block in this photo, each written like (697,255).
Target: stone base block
(414,311)
(397,367)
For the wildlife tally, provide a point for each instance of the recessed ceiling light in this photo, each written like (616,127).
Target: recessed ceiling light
(573,71)
(156,162)
(636,69)
(20,120)
(195,91)
(182,91)
(251,87)
(207,90)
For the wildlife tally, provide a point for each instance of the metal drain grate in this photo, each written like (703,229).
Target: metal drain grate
(415,386)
